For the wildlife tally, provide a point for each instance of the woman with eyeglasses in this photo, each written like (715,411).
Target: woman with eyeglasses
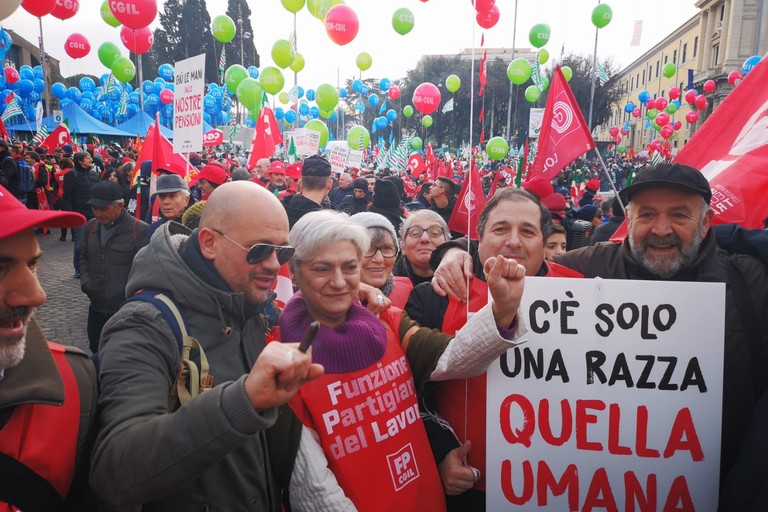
(420,234)
(363,445)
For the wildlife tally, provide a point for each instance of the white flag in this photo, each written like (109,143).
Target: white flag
(448,107)
(39,115)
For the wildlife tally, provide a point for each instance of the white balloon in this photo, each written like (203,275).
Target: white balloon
(7,7)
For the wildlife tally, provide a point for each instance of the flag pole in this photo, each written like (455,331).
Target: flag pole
(608,175)
(593,79)
(511,85)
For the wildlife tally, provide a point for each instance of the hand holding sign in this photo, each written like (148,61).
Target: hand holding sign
(506,280)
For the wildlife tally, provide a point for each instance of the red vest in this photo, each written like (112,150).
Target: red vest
(44,437)
(451,394)
(401,290)
(371,432)
(60,178)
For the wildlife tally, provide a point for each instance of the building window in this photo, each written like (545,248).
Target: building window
(674,57)
(643,77)
(666,58)
(632,84)
(715,54)
(695,46)
(638,79)
(658,63)
(722,12)
(685,52)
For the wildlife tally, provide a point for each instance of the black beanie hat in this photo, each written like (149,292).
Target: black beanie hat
(360,184)
(385,195)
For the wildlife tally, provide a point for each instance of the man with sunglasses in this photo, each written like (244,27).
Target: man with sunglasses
(215,451)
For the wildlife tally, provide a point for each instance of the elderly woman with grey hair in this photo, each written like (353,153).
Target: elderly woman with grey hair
(363,445)
(420,234)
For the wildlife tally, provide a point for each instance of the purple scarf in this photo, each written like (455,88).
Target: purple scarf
(357,343)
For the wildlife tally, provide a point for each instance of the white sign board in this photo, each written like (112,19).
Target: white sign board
(615,399)
(338,157)
(188,104)
(311,142)
(355,158)
(534,122)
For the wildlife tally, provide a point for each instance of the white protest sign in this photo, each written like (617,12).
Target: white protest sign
(535,120)
(311,142)
(338,157)
(615,401)
(355,158)
(188,104)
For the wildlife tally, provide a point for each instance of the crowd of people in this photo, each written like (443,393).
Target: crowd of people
(201,392)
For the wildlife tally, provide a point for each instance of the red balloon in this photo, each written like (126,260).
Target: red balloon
(701,102)
(483,5)
(39,8)
(690,96)
(134,14)
(489,18)
(426,98)
(662,119)
(677,125)
(674,93)
(650,104)
(709,86)
(65,9)
(166,96)
(138,41)
(636,113)
(394,92)
(692,116)
(11,75)
(661,103)
(666,131)
(77,46)
(613,131)
(341,24)
(734,77)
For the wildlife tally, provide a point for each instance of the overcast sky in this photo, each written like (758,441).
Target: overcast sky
(441,27)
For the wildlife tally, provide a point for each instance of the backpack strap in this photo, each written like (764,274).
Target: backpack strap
(21,487)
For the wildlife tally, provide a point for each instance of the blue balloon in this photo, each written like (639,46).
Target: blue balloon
(59,90)
(26,73)
(279,113)
(158,85)
(168,110)
(5,39)
(147,87)
(364,91)
(89,95)
(385,84)
(750,64)
(250,123)
(103,78)
(134,98)
(314,112)
(128,88)
(391,115)
(87,84)
(383,122)
(357,86)
(310,94)
(86,104)
(152,100)
(26,87)
(342,93)
(63,103)
(218,94)
(133,109)
(207,117)
(333,117)
(209,102)
(253,72)
(676,102)
(37,72)
(644,96)
(170,85)
(34,97)
(373,100)
(300,91)
(166,72)
(73,93)
(303,109)
(629,107)
(290,116)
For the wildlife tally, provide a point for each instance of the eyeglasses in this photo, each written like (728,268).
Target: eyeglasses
(260,252)
(432,231)
(388,251)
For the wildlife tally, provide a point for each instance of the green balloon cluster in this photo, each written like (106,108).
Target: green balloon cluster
(426,121)
(272,80)
(539,35)
(402,21)
(223,28)
(358,137)
(326,97)
(519,71)
(107,53)
(107,16)
(234,75)
(363,61)
(123,69)
(318,126)
(567,73)
(543,56)
(452,83)
(408,111)
(602,15)
(293,6)
(497,148)
(283,53)
(298,63)
(669,70)
(250,93)
(417,143)
(532,93)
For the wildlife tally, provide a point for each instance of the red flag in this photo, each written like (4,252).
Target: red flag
(469,204)
(409,186)
(158,150)
(265,138)
(564,132)
(429,156)
(445,170)
(503,173)
(730,150)
(8,99)
(57,138)
(483,78)
(417,165)
(213,138)
(3,132)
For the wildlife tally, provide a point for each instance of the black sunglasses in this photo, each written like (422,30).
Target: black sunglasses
(260,252)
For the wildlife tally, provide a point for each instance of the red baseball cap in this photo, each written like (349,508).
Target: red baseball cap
(276,166)
(211,173)
(294,171)
(17,217)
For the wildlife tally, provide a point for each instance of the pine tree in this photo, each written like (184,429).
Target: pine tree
(239,10)
(168,36)
(197,38)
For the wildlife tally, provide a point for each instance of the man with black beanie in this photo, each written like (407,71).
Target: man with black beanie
(359,200)
(386,202)
(316,183)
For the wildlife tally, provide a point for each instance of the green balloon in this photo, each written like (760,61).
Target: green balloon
(544,82)
(497,148)
(293,6)
(298,63)
(254,114)
(272,80)
(358,137)
(669,70)
(320,8)
(416,143)
(223,28)
(108,52)
(519,71)
(364,61)
(107,16)
(407,111)
(426,121)
(567,73)
(622,149)
(602,15)
(452,83)
(318,126)
(326,114)
(539,34)
(671,108)
(532,93)
(283,98)
(234,75)
(402,21)
(123,69)
(326,97)
(543,56)
(283,53)
(250,93)
(652,113)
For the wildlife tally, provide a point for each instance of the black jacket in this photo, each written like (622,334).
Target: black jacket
(77,190)
(299,206)
(104,268)
(446,211)
(9,174)
(604,232)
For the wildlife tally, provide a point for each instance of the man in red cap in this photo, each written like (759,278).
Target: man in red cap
(276,177)
(210,177)
(47,391)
